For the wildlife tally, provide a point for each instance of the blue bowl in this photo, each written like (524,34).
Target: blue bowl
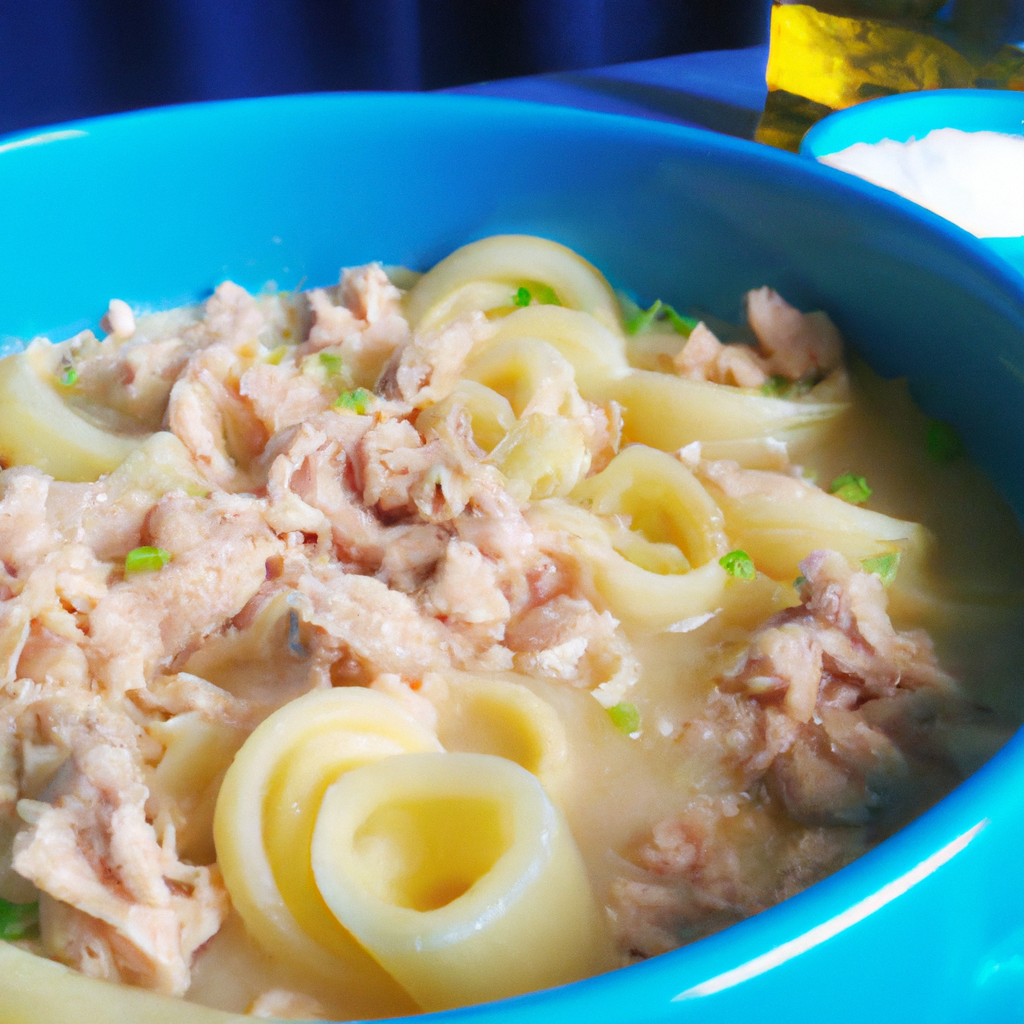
(912,116)
(158,207)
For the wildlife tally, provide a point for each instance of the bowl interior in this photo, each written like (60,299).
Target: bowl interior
(157,208)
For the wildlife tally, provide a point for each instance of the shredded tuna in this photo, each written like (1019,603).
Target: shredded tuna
(427,368)
(119,319)
(795,343)
(704,357)
(142,913)
(805,719)
(368,293)
(567,639)
(791,344)
(219,547)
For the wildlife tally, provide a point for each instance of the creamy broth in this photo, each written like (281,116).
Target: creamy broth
(454,528)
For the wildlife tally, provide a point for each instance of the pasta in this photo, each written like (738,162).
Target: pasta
(507,261)
(39,429)
(664,567)
(290,762)
(401,846)
(668,412)
(377,651)
(502,717)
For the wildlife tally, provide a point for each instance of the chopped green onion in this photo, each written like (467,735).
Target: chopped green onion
(535,291)
(545,295)
(274,356)
(332,361)
(18,920)
(799,582)
(775,386)
(883,566)
(684,325)
(145,559)
(778,386)
(69,376)
(851,487)
(643,319)
(355,401)
(739,564)
(625,717)
(943,442)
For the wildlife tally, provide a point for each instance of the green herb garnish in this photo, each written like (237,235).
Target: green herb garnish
(775,386)
(739,564)
(535,291)
(625,717)
(799,582)
(778,386)
(545,294)
(145,559)
(331,361)
(643,319)
(851,487)
(355,401)
(683,325)
(884,566)
(943,442)
(18,920)
(69,376)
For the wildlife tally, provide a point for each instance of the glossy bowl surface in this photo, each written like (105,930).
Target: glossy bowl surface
(159,207)
(913,115)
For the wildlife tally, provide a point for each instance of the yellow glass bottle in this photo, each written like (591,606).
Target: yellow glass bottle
(833,54)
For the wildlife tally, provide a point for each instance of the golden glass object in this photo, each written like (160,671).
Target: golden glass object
(836,53)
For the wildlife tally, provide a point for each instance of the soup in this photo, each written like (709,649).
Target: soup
(431,639)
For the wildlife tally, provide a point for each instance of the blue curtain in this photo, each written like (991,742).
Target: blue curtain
(62,59)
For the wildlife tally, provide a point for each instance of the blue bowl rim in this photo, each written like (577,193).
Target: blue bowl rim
(797,164)
(873,113)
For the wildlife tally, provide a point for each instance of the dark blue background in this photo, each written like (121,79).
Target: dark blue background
(62,59)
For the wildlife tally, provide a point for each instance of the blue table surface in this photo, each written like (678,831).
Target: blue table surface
(723,89)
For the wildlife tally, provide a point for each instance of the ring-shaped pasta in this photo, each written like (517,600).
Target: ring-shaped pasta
(460,877)
(38,428)
(264,822)
(512,260)
(491,297)
(491,416)
(664,567)
(531,374)
(542,457)
(668,412)
(779,532)
(665,502)
(595,352)
(488,715)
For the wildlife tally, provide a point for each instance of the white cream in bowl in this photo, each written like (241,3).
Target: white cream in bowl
(974,179)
